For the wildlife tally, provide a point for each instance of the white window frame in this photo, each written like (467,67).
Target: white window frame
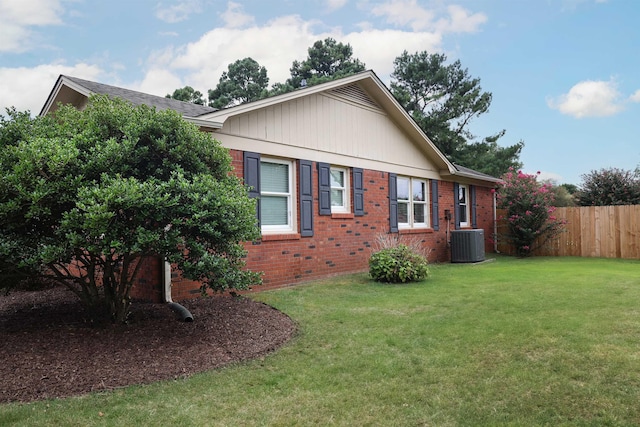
(290,195)
(346,196)
(464,206)
(411,203)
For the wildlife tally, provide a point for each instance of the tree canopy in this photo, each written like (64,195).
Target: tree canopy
(608,187)
(562,194)
(443,99)
(86,195)
(326,60)
(187,94)
(244,81)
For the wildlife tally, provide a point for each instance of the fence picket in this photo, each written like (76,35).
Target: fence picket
(591,231)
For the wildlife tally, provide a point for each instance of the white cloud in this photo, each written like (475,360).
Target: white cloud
(635,97)
(155,79)
(179,11)
(333,5)
(378,48)
(28,88)
(202,62)
(18,17)
(589,99)
(274,44)
(405,13)
(235,17)
(545,176)
(461,21)
(408,13)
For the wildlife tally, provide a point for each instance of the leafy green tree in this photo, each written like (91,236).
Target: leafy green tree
(562,197)
(443,99)
(327,60)
(571,188)
(281,88)
(187,94)
(244,81)
(529,207)
(86,195)
(489,157)
(608,187)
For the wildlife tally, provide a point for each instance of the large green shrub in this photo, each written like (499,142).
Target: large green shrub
(608,187)
(86,195)
(398,264)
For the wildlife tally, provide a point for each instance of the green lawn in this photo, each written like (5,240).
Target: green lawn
(537,341)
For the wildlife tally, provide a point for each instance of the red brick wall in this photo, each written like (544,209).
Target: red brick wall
(148,285)
(343,243)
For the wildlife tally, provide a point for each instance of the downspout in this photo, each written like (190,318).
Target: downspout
(184,314)
(495,223)
(166,275)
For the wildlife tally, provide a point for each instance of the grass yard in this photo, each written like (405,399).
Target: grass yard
(537,341)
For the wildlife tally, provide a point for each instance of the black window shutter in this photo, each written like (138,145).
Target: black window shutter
(435,219)
(393,203)
(358,192)
(472,195)
(306,198)
(324,188)
(252,177)
(456,205)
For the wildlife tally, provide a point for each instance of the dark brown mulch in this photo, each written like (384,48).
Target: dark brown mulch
(49,350)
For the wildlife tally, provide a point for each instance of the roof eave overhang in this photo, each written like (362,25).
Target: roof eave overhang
(207,125)
(465,177)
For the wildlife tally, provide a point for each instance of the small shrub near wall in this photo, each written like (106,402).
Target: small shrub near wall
(398,264)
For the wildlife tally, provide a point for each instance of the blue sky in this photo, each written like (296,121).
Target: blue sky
(564,74)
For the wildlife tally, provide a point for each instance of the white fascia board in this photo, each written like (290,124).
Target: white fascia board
(206,124)
(470,178)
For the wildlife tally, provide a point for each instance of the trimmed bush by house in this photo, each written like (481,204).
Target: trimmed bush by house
(398,264)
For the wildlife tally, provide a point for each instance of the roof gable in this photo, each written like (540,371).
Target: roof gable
(85,88)
(364,90)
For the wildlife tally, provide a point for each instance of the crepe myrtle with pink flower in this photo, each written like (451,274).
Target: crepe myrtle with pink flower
(529,209)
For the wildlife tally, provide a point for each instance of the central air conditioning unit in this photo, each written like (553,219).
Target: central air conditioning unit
(467,245)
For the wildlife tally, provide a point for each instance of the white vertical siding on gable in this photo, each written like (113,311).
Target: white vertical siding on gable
(329,124)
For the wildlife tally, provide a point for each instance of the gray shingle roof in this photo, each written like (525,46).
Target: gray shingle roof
(475,174)
(138,98)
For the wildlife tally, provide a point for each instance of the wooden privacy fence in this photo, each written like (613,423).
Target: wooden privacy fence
(593,231)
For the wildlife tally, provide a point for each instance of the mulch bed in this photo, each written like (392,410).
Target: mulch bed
(49,350)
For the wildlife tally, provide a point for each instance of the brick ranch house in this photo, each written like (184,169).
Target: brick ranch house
(334,167)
